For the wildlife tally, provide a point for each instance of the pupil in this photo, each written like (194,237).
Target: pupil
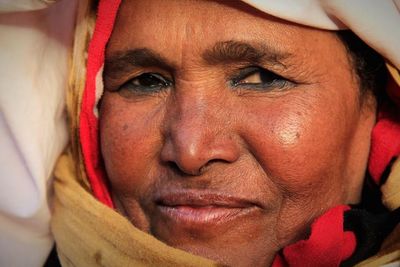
(267,77)
(149,80)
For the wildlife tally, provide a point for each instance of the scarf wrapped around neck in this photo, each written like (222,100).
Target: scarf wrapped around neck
(89,232)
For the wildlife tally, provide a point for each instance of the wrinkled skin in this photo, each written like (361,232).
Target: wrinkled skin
(215,155)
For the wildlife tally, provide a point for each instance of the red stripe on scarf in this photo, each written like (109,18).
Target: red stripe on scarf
(88,131)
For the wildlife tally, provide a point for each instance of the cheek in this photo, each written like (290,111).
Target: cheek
(122,132)
(302,149)
(291,140)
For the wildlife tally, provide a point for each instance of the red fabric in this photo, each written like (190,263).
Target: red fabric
(385,142)
(88,131)
(328,245)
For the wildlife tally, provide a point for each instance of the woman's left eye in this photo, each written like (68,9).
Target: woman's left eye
(258,78)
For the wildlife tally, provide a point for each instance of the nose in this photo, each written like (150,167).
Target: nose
(198,133)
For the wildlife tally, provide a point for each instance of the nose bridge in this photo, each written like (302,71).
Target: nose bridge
(194,111)
(197,132)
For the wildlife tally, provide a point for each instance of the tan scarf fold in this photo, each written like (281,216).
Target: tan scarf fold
(88,233)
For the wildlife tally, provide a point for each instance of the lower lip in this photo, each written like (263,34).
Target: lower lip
(203,215)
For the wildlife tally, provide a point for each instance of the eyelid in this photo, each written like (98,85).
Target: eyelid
(245,72)
(250,70)
(154,74)
(131,90)
(277,81)
(115,83)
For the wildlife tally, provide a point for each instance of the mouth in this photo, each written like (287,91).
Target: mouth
(194,208)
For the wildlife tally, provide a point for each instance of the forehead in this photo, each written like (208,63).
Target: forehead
(187,27)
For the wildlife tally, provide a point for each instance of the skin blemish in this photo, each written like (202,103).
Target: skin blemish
(289,133)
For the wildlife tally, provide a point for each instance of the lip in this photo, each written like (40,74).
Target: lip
(193,208)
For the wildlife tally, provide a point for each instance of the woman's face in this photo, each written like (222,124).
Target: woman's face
(225,131)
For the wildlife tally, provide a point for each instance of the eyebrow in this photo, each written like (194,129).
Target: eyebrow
(237,51)
(124,61)
(221,53)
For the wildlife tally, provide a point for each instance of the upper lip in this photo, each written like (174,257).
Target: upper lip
(195,198)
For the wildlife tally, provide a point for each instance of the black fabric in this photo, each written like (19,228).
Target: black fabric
(372,195)
(370,221)
(370,230)
(52,260)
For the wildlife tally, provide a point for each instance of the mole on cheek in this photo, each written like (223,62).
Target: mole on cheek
(125,127)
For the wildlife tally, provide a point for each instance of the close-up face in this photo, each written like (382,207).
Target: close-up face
(225,131)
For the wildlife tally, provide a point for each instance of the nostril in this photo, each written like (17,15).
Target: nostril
(209,163)
(175,168)
(181,171)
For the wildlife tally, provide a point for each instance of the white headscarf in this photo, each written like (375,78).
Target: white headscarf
(376,22)
(34,47)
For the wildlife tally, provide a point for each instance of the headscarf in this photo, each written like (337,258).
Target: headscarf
(35,42)
(334,239)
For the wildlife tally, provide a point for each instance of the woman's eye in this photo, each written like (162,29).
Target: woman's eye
(147,83)
(259,78)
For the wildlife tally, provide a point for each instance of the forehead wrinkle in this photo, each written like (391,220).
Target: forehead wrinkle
(237,51)
(187,46)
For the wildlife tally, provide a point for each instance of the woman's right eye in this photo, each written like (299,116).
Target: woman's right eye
(147,83)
